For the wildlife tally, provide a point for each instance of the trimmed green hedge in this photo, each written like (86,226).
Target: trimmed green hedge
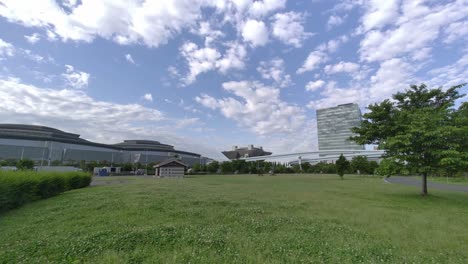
(20,187)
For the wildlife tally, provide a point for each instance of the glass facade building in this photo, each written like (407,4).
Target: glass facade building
(45,145)
(334,127)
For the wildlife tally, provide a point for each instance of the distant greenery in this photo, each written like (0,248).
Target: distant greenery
(389,167)
(358,165)
(342,165)
(239,219)
(421,130)
(25,164)
(361,165)
(20,187)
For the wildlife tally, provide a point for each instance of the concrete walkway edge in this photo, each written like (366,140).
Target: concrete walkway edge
(413,182)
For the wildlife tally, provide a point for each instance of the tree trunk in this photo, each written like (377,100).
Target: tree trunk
(424,184)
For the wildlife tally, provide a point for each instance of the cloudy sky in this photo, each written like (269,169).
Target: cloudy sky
(205,75)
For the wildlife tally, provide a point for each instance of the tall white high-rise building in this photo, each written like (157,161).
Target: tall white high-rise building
(334,127)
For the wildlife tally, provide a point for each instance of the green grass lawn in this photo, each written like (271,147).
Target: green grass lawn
(240,219)
(450,180)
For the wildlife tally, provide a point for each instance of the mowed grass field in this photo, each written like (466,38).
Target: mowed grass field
(240,219)
(450,180)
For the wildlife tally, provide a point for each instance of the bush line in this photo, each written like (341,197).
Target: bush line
(20,187)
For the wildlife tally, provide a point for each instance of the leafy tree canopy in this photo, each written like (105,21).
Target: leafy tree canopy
(342,164)
(419,128)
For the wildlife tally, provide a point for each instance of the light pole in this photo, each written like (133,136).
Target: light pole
(22,153)
(64,153)
(146,162)
(43,153)
(300,163)
(50,153)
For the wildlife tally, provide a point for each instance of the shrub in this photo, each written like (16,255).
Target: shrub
(20,187)
(25,164)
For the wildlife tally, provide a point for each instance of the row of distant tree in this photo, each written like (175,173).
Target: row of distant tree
(359,164)
(85,166)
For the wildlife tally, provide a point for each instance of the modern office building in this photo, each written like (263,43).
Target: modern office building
(46,145)
(249,151)
(334,127)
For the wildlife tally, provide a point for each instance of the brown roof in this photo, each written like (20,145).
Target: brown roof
(169,162)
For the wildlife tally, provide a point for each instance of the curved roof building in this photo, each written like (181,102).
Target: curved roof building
(43,133)
(249,151)
(46,144)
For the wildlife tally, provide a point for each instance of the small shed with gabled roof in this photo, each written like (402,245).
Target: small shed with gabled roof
(170,168)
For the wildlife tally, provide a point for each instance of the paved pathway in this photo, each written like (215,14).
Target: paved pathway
(435,185)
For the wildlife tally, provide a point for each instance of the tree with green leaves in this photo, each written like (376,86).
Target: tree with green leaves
(226,167)
(212,167)
(197,167)
(342,165)
(25,164)
(388,167)
(418,128)
(360,164)
(458,160)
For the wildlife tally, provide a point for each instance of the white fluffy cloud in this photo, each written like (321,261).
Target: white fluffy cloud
(32,38)
(334,20)
(288,28)
(233,57)
(380,13)
(148,97)
(392,76)
(35,57)
(150,22)
(332,45)
(6,49)
(205,30)
(261,8)
(314,59)
(206,59)
(274,70)
(74,78)
(333,96)
(256,107)
(321,54)
(348,67)
(456,30)
(71,105)
(391,34)
(129,58)
(303,139)
(74,111)
(313,86)
(452,74)
(255,32)
(199,60)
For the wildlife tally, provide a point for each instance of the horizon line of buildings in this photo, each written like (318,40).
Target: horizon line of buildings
(46,145)
(333,131)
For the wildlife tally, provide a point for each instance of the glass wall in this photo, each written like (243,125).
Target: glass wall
(334,127)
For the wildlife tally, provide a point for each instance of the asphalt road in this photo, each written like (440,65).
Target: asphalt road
(435,185)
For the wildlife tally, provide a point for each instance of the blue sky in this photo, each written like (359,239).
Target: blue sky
(205,75)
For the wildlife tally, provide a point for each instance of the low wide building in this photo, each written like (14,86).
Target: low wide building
(46,146)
